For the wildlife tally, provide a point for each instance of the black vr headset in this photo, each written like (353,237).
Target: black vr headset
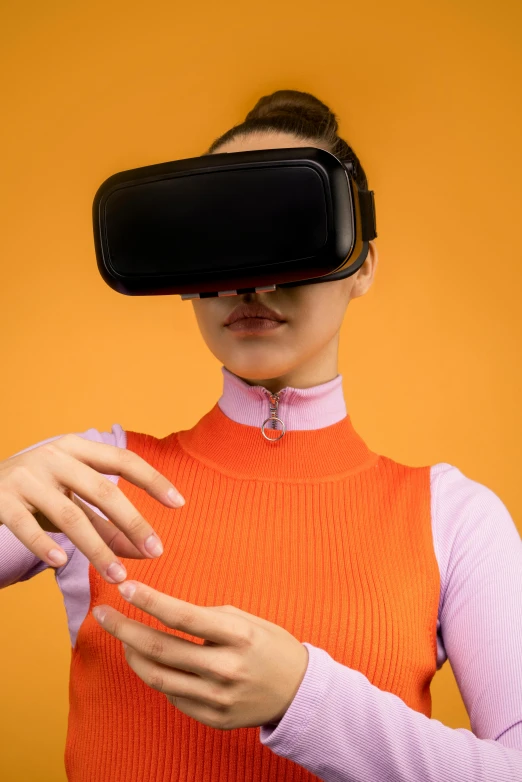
(232,222)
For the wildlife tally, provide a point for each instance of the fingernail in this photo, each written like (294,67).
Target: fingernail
(99,614)
(175,497)
(153,545)
(57,557)
(127,589)
(117,572)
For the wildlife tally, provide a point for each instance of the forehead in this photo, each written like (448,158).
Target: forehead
(268,140)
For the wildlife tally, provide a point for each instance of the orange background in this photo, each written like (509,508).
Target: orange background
(428,94)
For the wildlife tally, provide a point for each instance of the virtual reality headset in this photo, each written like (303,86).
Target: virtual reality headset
(232,222)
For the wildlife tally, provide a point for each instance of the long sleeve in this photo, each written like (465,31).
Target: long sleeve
(344,729)
(18,563)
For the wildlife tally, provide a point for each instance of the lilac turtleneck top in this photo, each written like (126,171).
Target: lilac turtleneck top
(340,726)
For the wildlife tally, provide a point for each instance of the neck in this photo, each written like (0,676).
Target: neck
(319,369)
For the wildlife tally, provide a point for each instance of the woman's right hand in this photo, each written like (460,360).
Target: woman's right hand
(36,494)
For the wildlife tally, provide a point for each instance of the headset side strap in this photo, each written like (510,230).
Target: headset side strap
(367,205)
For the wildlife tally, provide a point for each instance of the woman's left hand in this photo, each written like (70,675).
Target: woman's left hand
(245,674)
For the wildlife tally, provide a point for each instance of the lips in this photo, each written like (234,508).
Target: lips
(255,310)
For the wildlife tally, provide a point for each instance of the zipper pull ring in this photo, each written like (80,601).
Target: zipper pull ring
(274,402)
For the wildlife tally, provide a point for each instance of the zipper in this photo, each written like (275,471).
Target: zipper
(273,419)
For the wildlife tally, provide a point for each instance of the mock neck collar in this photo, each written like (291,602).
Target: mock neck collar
(319,439)
(299,408)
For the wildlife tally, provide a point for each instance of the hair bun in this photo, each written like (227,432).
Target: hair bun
(296,103)
(301,115)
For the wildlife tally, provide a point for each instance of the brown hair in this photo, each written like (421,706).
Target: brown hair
(301,114)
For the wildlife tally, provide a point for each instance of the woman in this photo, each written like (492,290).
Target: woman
(330,582)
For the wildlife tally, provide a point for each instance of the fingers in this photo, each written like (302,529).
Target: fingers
(25,527)
(115,539)
(54,482)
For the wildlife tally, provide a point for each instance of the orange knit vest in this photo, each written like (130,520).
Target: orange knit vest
(314,532)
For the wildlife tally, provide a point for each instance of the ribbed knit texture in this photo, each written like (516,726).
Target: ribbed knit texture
(315,533)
